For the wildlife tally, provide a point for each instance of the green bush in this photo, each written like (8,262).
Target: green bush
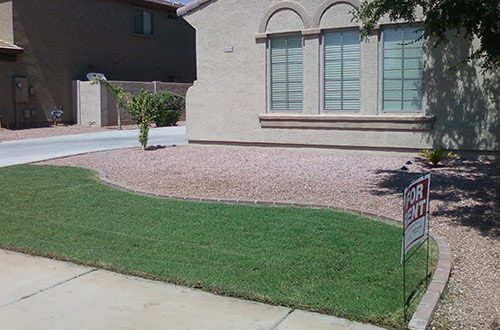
(170,107)
(435,156)
(163,109)
(144,110)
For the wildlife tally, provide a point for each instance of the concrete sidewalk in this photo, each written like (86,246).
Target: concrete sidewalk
(32,150)
(44,294)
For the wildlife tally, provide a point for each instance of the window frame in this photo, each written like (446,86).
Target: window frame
(269,73)
(143,10)
(381,54)
(322,71)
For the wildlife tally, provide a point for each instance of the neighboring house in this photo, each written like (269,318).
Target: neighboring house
(296,73)
(46,44)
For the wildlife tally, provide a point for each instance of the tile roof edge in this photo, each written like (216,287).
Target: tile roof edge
(191,7)
(9,46)
(174,5)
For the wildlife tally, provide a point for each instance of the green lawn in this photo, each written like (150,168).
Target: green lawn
(320,260)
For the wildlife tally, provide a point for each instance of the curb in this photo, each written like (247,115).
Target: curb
(425,310)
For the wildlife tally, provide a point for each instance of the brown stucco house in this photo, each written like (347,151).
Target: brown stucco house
(295,73)
(47,44)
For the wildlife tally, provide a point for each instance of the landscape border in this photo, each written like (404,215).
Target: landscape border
(425,309)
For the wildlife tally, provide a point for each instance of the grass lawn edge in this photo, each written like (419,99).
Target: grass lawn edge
(98,177)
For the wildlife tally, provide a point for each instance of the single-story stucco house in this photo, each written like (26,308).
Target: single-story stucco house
(47,44)
(296,73)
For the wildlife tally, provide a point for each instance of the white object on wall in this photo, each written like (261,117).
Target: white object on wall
(95,76)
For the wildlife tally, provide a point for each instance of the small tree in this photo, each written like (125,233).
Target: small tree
(122,98)
(144,110)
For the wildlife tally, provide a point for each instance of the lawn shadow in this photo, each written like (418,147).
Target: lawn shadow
(466,192)
(464,100)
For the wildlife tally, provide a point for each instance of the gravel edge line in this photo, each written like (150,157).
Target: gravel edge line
(425,310)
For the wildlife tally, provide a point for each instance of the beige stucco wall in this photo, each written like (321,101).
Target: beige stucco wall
(91,101)
(66,39)
(231,90)
(6,26)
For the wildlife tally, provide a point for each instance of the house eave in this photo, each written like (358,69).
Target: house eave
(8,48)
(192,6)
(161,4)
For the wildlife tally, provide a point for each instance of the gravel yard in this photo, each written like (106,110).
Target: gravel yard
(33,133)
(464,209)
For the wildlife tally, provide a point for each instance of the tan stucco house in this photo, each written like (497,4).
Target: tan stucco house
(273,72)
(46,44)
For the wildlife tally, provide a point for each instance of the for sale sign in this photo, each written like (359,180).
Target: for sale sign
(415,213)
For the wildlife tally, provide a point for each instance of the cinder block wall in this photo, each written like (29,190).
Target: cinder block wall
(95,105)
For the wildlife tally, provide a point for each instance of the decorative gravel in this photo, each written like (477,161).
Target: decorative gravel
(33,133)
(465,200)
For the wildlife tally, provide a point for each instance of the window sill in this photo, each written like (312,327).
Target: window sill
(145,36)
(408,123)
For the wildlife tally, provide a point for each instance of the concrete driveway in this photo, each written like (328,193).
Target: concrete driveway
(44,294)
(27,151)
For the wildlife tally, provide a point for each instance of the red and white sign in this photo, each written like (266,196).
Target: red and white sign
(416,213)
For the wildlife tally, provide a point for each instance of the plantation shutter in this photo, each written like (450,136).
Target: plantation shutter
(403,68)
(287,90)
(341,70)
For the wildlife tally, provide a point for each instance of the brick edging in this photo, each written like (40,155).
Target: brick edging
(423,314)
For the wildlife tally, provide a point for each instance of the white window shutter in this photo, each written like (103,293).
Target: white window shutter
(287,87)
(341,71)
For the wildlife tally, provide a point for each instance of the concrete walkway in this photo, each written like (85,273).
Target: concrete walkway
(44,294)
(27,151)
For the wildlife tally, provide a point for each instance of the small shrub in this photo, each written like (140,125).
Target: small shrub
(435,156)
(170,107)
(144,110)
